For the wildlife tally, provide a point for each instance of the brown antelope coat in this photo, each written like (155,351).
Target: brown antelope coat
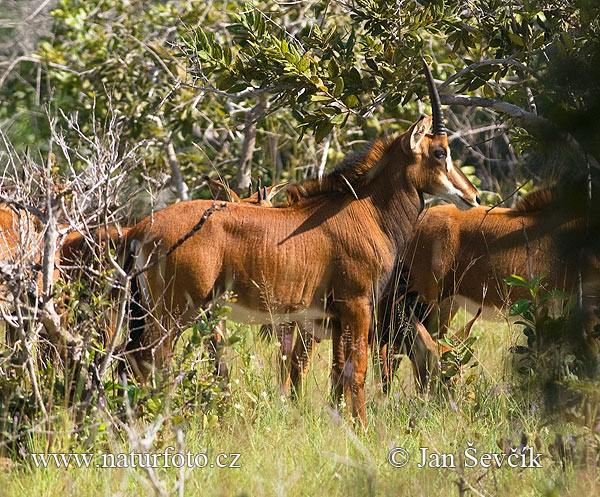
(407,333)
(325,257)
(457,258)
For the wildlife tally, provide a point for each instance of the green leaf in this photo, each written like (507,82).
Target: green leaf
(350,42)
(515,280)
(217,52)
(448,342)
(323,129)
(339,87)
(303,64)
(450,370)
(332,68)
(290,57)
(352,101)
(372,64)
(520,307)
(488,91)
(339,119)
(227,55)
(516,39)
(202,40)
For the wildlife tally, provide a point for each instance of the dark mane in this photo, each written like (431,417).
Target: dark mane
(356,170)
(538,199)
(572,196)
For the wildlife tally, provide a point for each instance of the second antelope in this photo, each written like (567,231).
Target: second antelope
(326,257)
(457,259)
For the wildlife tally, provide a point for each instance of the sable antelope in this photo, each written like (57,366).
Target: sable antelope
(9,243)
(76,245)
(262,196)
(326,257)
(457,258)
(399,330)
(9,233)
(17,230)
(21,241)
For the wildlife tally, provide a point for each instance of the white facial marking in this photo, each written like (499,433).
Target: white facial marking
(449,164)
(451,194)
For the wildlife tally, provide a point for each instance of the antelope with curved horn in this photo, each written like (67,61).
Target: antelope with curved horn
(324,258)
(263,195)
(21,240)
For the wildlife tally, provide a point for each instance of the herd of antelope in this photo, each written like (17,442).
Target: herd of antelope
(343,253)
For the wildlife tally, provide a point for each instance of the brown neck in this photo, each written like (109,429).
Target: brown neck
(397,202)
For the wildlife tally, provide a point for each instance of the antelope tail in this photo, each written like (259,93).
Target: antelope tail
(135,311)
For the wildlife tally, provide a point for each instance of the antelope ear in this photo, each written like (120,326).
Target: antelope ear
(418,131)
(275,189)
(220,191)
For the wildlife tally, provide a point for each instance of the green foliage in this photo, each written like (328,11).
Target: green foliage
(187,73)
(458,357)
(546,332)
(187,388)
(553,362)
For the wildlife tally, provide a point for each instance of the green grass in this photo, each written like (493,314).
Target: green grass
(298,449)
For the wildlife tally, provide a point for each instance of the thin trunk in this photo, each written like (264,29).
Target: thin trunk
(244,175)
(176,176)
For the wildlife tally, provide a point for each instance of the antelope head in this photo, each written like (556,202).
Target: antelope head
(264,195)
(220,191)
(432,169)
(429,354)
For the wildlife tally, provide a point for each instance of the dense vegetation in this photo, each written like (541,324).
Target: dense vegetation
(112,108)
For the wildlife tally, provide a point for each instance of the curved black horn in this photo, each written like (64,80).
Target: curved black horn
(436,105)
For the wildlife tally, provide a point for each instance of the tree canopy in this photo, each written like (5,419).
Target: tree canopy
(284,90)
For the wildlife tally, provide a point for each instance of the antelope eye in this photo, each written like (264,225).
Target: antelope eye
(440,153)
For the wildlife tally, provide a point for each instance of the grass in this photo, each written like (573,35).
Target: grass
(298,449)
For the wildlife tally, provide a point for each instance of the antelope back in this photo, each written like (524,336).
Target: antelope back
(470,253)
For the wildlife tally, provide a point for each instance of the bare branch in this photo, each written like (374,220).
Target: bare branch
(524,118)
(486,62)
(176,176)
(248,93)
(528,120)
